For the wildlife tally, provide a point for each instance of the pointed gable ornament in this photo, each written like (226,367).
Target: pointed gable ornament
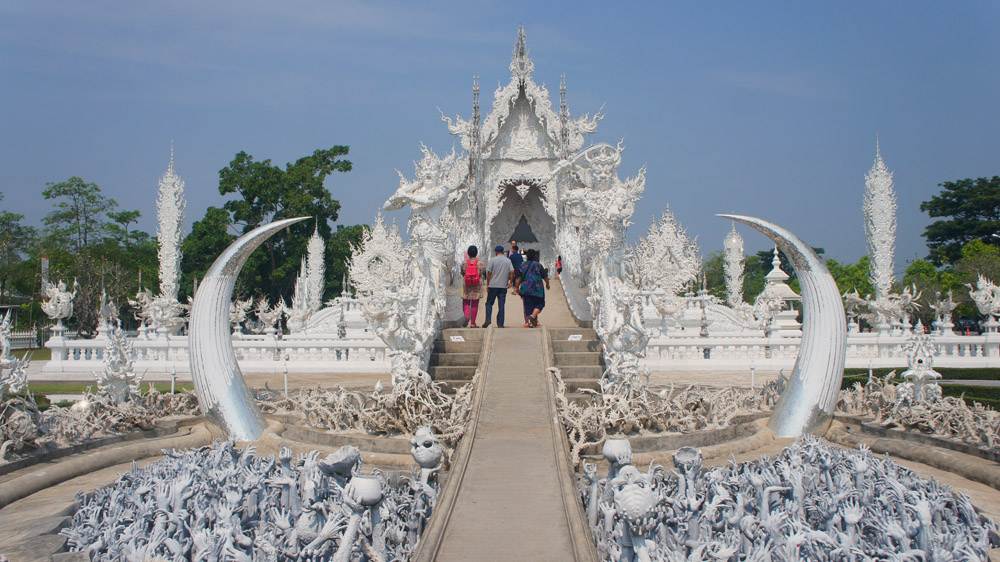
(520,65)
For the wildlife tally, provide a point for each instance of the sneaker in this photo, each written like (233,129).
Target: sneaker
(465,323)
(527,325)
(533,321)
(486,324)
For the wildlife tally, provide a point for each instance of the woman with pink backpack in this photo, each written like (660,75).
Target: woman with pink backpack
(472,287)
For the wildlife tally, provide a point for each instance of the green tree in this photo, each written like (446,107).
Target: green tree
(851,277)
(79,215)
(209,237)
(978,258)
(338,254)
(267,193)
(16,240)
(123,218)
(715,278)
(970,210)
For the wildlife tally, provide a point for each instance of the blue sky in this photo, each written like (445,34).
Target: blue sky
(765,108)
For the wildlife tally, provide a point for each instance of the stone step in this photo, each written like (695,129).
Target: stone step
(442,346)
(556,334)
(581,371)
(585,358)
(455,359)
(573,386)
(470,334)
(443,373)
(564,346)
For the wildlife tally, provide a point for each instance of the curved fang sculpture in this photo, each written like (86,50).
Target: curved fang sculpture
(222,393)
(806,405)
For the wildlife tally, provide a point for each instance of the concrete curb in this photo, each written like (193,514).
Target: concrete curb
(433,535)
(760,437)
(47,475)
(584,545)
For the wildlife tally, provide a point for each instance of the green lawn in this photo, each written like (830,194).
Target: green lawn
(40,354)
(985,395)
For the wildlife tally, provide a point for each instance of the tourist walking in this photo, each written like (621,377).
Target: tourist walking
(499,278)
(558,266)
(516,259)
(472,288)
(531,284)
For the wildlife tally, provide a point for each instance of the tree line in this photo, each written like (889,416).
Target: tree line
(87,237)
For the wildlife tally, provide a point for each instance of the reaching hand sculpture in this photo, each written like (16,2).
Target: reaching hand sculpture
(811,502)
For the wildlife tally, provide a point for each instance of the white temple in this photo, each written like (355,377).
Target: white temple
(521,160)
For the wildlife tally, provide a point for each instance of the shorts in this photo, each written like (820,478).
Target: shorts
(532,302)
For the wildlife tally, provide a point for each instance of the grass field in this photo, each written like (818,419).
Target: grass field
(40,354)
(985,395)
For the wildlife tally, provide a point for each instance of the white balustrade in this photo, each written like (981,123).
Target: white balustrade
(255,353)
(863,350)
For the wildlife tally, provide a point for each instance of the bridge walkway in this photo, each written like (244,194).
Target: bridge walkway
(512,504)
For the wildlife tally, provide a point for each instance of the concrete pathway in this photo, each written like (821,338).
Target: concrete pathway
(511,505)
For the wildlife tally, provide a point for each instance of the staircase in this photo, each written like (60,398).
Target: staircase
(580,362)
(455,362)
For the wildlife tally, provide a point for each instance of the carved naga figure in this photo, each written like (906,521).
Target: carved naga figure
(439,182)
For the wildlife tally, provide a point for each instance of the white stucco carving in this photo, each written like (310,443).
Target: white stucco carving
(880,229)
(397,292)
(59,303)
(733,267)
(170,206)
(316,270)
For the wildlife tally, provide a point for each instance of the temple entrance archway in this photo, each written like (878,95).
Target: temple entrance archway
(523,217)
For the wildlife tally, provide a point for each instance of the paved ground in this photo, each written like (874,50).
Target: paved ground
(511,507)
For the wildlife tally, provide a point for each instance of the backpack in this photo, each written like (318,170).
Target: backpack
(471,273)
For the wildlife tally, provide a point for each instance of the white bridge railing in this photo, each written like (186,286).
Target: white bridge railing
(696,353)
(256,354)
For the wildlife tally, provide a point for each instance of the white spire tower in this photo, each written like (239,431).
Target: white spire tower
(734,268)
(316,271)
(880,227)
(170,205)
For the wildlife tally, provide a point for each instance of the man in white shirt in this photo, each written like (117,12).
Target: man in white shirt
(499,278)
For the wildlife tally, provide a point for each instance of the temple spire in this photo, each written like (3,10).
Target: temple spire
(563,118)
(520,65)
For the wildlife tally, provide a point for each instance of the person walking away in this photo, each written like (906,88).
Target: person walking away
(558,266)
(499,278)
(516,259)
(472,288)
(531,284)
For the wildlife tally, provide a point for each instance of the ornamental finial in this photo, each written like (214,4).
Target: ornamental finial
(520,65)
(170,168)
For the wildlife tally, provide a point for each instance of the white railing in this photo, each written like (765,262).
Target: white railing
(863,350)
(256,354)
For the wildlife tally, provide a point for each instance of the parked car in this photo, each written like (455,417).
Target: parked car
(966,325)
